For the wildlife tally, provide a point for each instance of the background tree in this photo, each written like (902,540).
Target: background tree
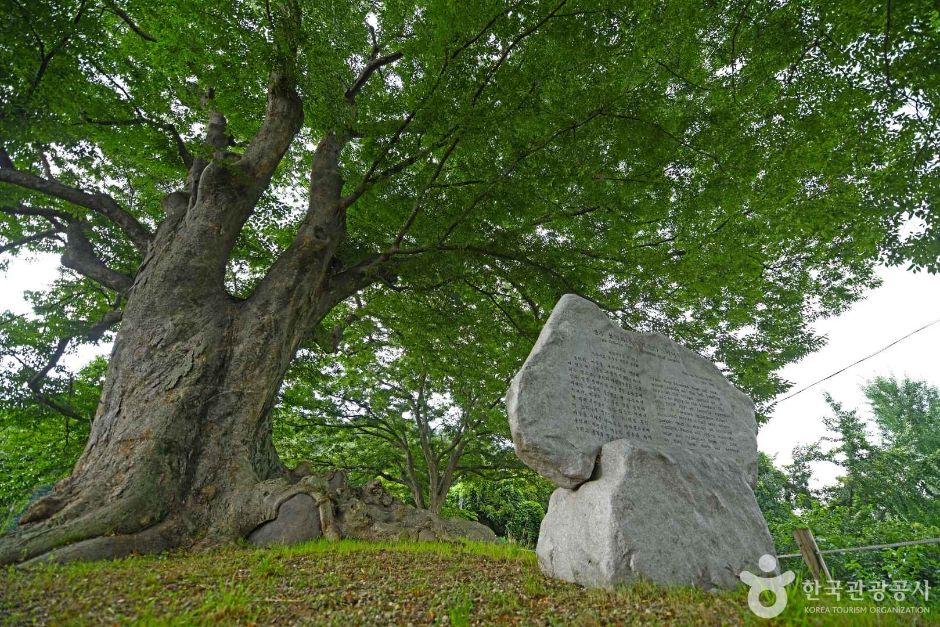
(39,446)
(513,507)
(799,472)
(903,451)
(887,490)
(774,496)
(416,421)
(220,181)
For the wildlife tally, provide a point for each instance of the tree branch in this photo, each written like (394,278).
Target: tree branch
(185,156)
(5,161)
(28,239)
(492,298)
(367,180)
(518,258)
(482,31)
(886,52)
(284,114)
(512,167)
(420,197)
(46,58)
(355,422)
(374,64)
(419,406)
(80,256)
(121,13)
(329,340)
(372,176)
(98,202)
(373,426)
(301,267)
(515,42)
(659,127)
(34,383)
(283,119)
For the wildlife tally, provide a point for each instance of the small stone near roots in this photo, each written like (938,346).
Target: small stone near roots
(298,520)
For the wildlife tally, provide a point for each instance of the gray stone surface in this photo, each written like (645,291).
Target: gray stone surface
(365,513)
(377,515)
(648,515)
(653,450)
(298,520)
(588,382)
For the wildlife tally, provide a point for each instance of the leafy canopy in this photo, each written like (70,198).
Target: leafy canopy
(722,172)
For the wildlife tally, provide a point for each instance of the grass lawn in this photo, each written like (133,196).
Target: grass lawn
(352,583)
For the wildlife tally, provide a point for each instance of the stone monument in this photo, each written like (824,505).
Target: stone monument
(653,450)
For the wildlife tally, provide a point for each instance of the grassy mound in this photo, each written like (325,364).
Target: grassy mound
(353,583)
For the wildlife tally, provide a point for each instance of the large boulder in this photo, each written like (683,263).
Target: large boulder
(587,382)
(649,515)
(671,498)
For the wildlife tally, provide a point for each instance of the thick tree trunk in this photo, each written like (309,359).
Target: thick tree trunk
(180,450)
(436,501)
(182,436)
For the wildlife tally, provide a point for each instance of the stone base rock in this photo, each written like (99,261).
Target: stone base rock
(326,505)
(645,514)
(297,521)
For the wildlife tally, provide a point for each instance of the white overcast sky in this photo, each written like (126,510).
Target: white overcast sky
(904,302)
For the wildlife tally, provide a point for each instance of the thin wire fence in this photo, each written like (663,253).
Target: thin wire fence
(871,547)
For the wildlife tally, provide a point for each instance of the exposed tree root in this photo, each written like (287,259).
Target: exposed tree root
(120,528)
(370,513)
(36,538)
(161,537)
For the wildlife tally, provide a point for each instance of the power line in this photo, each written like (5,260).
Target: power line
(877,352)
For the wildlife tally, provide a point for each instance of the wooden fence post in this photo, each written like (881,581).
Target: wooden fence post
(810,552)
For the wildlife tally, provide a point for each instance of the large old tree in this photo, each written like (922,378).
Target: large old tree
(222,180)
